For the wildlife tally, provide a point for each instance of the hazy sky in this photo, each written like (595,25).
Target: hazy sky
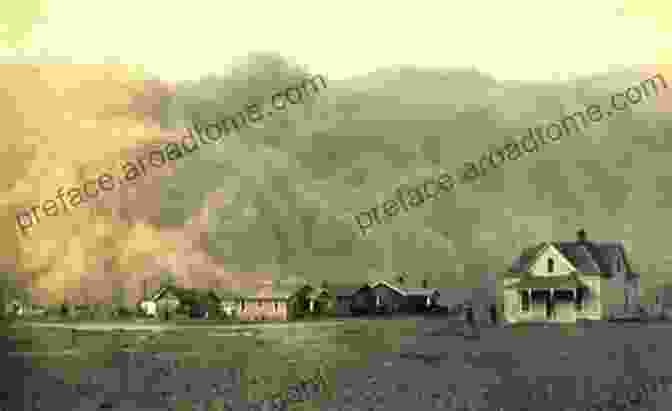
(515,39)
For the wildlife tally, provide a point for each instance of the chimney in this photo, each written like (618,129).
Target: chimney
(582,235)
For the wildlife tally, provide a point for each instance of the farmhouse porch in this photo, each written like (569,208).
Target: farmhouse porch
(551,299)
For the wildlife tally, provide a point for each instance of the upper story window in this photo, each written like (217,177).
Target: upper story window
(275,306)
(550,264)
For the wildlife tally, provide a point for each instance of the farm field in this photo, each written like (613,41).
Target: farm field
(424,363)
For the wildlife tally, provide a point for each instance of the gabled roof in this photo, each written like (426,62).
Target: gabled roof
(579,256)
(388,285)
(524,262)
(405,291)
(586,256)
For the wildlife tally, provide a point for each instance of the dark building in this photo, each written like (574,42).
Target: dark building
(362,301)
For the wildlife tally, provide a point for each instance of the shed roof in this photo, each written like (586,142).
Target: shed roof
(421,291)
(452,296)
(389,285)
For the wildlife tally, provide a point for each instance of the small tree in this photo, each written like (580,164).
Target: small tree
(9,291)
(166,310)
(401,278)
(119,302)
(102,311)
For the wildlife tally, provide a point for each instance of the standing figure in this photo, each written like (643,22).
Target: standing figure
(493,314)
(469,316)
(471,321)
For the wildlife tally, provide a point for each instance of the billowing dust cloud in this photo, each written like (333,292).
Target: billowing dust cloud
(68,123)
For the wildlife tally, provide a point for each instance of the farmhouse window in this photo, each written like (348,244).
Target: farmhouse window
(551,263)
(275,307)
(242,305)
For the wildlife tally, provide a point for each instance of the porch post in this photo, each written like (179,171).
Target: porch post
(529,300)
(527,292)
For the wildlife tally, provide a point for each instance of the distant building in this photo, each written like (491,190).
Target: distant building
(273,302)
(663,300)
(345,299)
(453,299)
(363,301)
(165,300)
(385,297)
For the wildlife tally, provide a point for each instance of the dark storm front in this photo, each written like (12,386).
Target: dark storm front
(415,197)
(532,142)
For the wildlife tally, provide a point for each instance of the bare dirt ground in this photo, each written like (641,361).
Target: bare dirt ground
(534,368)
(429,364)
